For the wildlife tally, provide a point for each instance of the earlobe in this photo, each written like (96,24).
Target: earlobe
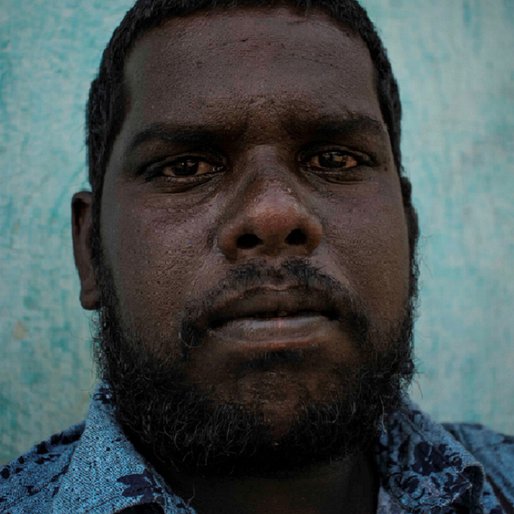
(82,230)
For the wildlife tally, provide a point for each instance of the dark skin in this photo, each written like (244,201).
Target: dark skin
(253,135)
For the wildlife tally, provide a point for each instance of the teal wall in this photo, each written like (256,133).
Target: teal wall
(454,61)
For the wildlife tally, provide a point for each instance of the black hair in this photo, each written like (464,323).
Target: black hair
(107,99)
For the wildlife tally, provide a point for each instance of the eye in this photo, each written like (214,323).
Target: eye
(188,167)
(333,160)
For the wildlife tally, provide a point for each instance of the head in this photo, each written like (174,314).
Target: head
(249,241)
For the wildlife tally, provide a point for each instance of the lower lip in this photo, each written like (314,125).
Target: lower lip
(275,334)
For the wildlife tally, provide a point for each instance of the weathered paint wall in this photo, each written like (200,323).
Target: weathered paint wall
(455,67)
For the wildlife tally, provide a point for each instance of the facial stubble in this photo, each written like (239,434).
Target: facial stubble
(174,422)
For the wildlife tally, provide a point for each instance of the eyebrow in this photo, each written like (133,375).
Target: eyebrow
(179,134)
(322,128)
(326,128)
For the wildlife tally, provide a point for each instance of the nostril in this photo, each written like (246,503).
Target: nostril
(296,237)
(248,241)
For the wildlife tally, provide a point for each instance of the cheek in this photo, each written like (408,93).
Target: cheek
(371,246)
(155,254)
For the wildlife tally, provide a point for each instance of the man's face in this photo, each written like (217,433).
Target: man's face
(252,222)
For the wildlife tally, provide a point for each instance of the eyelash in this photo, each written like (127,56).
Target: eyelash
(153,170)
(360,158)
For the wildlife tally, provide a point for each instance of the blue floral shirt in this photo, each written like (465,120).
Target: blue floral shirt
(424,468)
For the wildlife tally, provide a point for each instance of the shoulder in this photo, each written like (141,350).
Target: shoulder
(493,450)
(29,482)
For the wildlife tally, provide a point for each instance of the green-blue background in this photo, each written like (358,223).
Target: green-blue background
(454,61)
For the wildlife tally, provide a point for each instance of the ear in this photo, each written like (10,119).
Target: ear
(82,230)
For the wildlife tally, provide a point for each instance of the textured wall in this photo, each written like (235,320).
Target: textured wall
(455,67)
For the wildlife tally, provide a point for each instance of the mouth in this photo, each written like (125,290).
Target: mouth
(270,303)
(278,316)
(269,319)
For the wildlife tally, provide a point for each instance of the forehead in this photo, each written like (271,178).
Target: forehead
(238,65)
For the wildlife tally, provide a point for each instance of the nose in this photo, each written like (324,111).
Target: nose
(269,220)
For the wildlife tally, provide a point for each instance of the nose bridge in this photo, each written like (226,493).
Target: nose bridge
(268,174)
(270,215)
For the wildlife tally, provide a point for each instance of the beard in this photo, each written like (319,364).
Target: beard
(174,423)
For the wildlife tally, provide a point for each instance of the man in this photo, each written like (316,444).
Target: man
(249,245)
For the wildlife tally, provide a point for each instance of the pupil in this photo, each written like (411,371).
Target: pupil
(330,159)
(185,168)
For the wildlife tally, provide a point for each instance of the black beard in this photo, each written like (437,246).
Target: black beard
(173,423)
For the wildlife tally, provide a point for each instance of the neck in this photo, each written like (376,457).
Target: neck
(349,486)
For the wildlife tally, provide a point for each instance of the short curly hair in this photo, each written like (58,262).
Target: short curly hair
(106,107)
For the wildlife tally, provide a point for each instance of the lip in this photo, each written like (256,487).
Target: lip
(273,319)
(269,302)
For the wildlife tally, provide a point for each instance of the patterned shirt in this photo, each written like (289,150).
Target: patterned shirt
(424,468)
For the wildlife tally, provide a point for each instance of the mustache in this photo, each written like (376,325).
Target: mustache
(342,303)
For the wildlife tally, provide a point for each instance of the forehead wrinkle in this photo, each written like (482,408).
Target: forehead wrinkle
(248,25)
(184,41)
(155,67)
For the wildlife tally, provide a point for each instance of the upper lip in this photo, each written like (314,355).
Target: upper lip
(267,301)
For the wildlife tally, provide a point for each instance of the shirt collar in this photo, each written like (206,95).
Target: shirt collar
(106,473)
(422,467)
